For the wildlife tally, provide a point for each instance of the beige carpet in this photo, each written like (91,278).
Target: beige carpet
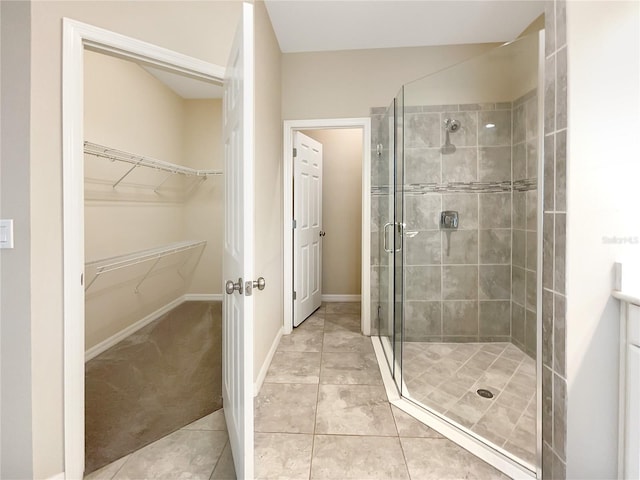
(154,382)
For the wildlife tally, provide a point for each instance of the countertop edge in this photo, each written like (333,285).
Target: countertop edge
(626,297)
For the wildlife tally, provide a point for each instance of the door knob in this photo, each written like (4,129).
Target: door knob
(260,283)
(230,287)
(249,286)
(322,234)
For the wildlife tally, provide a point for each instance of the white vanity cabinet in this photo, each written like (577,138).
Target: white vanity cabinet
(629,426)
(632,410)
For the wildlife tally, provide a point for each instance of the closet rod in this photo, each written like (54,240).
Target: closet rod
(111,264)
(141,161)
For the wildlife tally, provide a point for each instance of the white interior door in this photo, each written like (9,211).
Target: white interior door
(237,331)
(307,238)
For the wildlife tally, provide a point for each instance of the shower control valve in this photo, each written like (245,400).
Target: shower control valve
(449,219)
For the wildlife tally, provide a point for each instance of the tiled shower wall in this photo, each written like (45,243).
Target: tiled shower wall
(554,374)
(458,284)
(524,216)
(380,126)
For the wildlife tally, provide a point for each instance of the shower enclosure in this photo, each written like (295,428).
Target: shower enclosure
(455,246)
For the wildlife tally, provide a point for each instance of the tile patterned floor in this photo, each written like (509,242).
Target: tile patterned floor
(322,414)
(323,399)
(198,451)
(446,377)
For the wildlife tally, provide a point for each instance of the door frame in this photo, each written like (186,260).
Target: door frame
(77,37)
(290,126)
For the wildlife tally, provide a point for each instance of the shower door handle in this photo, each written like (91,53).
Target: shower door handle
(388,250)
(391,250)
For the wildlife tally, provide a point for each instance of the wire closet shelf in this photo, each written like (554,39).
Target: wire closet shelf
(143,161)
(118,262)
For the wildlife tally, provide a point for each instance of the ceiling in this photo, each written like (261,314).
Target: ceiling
(325,25)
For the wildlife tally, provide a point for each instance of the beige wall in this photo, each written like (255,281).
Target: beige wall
(500,75)
(204,212)
(348,83)
(268,191)
(200,29)
(129,109)
(341,209)
(535,26)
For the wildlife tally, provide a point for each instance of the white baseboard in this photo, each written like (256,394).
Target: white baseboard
(59,476)
(122,334)
(267,362)
(341,298)
(202,297)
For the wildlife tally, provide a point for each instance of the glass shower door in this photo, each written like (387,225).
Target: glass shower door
(455,201)
(468,150)
(388,207)
(398,238)
(382,203)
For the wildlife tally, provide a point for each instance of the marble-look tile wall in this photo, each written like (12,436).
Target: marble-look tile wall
(477,283)
(524,214)
(382,119)
(554,374)
(458,283)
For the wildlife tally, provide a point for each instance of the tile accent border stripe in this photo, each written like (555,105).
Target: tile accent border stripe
(525,185)
(460,187)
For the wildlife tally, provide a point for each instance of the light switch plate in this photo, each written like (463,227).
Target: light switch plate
(6,233)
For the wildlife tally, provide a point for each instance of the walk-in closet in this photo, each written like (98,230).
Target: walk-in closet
(153,232)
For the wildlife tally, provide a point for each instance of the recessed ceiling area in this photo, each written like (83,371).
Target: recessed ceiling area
(186,87)
(321,25)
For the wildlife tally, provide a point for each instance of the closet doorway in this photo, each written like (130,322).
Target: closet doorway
(343,211)
(153,254)
(237,252)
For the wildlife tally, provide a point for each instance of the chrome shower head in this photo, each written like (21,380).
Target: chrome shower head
(450,126)
(448,147)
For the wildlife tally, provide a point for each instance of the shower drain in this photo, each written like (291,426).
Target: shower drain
(484,393)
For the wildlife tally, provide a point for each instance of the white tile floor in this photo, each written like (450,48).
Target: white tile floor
(321,414)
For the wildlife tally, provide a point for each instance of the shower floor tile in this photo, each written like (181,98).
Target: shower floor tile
(447,376)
